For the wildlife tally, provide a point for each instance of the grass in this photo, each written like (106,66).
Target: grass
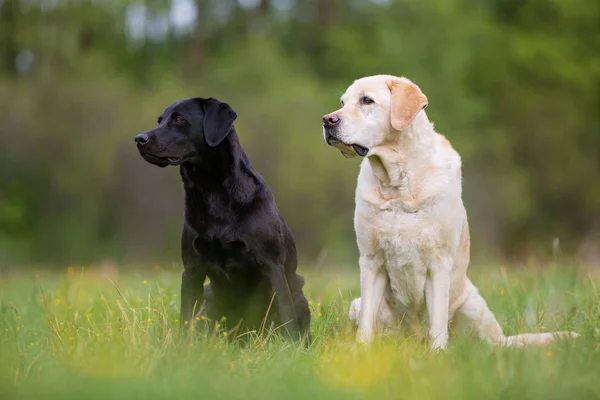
(77,334)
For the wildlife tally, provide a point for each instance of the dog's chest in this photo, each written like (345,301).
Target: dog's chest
(407,276)
(406,241)
(226,258)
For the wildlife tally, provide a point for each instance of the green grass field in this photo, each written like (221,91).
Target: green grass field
(75,334)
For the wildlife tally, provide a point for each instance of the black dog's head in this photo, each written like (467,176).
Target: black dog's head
(186,129)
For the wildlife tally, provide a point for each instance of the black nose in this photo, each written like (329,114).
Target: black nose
(331,119)
(142,138)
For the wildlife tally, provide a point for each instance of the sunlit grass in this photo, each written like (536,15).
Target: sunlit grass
(87,334)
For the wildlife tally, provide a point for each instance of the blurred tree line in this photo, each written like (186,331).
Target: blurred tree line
(515,86)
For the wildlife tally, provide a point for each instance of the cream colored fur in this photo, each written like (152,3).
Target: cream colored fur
(410,221)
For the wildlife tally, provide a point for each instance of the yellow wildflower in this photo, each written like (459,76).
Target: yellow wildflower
(145,282)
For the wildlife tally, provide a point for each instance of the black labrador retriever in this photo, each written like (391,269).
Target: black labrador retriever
(233,232)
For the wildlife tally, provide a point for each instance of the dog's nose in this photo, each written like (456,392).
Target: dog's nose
(142,138)
(331,119)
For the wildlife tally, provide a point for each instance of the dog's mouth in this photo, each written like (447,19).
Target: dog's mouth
(161,161)
(347,150)
(360,150)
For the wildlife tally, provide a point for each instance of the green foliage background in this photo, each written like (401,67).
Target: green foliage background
(515,86)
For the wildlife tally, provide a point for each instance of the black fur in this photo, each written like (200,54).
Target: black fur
(233,232)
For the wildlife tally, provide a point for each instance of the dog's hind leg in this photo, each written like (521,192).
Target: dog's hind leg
(475,310)
(303,315)
(387,317)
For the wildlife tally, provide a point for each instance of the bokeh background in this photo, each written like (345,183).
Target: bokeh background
(514,85)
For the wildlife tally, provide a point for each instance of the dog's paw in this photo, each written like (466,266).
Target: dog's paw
(439,342)
(363,337)
(354,311)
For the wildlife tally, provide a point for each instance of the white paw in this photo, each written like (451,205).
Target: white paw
(354,311)
(439,341)
(363,337)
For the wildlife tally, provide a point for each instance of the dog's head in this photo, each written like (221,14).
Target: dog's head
(186,129)
(374,110)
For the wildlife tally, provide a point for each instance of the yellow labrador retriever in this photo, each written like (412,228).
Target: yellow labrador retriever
(410,222)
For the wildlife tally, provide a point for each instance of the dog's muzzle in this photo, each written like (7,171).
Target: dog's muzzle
(344,147)
(332,140)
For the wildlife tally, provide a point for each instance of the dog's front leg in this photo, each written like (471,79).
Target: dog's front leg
(192,295)
(283,297)
(437,297)
(372,286)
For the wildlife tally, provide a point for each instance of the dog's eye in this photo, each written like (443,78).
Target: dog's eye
(179,120)
(342,103)
(366,100)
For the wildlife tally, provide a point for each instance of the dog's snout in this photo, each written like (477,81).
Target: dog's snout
(330,139)
(142,138)
(331,119)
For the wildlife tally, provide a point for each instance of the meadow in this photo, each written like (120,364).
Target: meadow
(97,334)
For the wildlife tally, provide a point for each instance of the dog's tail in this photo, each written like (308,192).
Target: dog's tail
(538,338)
(475,310)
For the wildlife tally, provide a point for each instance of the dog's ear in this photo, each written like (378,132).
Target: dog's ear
(218,120)
(407,100)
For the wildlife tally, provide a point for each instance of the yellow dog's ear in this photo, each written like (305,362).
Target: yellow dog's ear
(407,101)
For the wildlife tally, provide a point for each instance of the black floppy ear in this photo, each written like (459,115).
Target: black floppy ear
(218,120)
